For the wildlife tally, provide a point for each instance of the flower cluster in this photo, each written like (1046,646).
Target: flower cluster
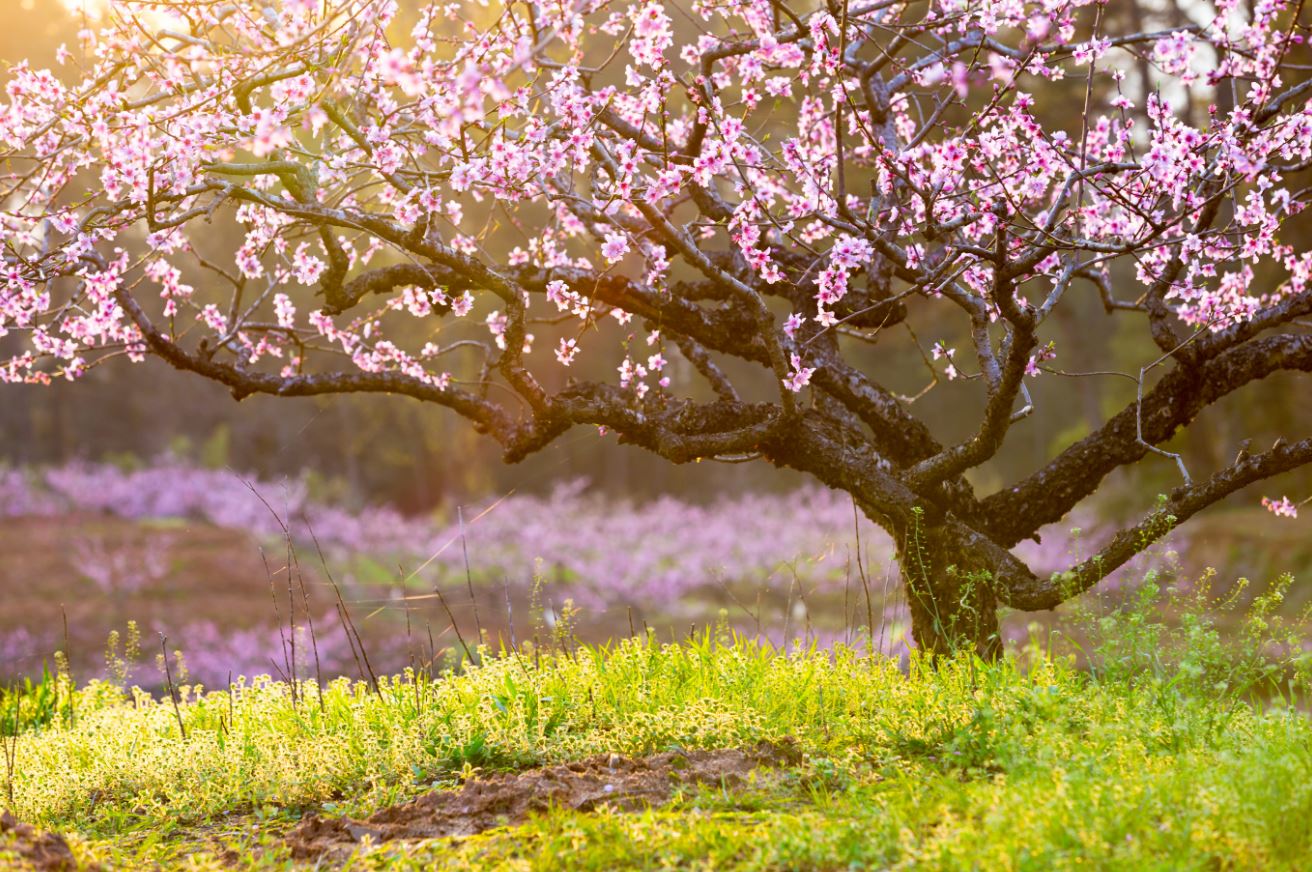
(1281,508)
(194,109)
(607,552)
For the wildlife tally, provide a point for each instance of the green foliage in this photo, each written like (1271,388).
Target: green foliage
(1182,636)
(216,451)
(1157,757)
(118,666)
(30,705)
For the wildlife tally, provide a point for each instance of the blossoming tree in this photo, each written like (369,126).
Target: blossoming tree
(776,187)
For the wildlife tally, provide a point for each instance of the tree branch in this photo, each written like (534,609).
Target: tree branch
(1047,495)
(1034,594)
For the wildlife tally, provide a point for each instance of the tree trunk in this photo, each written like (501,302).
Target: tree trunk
(949,591)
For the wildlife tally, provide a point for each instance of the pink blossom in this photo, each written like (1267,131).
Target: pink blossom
(800,376)
(566,351)
(270,133)
(1281,508)
(761,159)
(308,267)
(285,310)
(615,247)
(1046,353)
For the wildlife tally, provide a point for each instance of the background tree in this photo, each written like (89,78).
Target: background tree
(788,188)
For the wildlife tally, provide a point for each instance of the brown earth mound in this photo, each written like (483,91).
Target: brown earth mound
(25,847)
(619,782)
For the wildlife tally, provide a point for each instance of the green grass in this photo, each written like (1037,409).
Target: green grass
(1022,764)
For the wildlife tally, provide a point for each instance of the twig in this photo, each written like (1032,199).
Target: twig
(469,655)
(510,614)
(291,623)
(68,664)
(10,743)
(350,640)
(724,586)
(277,620)
(469,578)
(788,610)
(883,606)
(806,607)
(847,592)
(342,609)
(409,639)
(168,675)
(314,639)
(865,583)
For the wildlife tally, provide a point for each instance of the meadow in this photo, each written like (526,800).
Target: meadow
(961,340)
(194,553)
(1177,746)
(738,694)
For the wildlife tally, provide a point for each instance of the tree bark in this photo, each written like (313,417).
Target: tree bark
(949,591)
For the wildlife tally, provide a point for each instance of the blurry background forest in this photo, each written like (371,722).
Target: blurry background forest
(354,453)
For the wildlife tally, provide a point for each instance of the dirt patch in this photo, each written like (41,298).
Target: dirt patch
(28,848)
(619,782)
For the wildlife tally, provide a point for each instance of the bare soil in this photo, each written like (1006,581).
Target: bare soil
(622,783)
(24,847)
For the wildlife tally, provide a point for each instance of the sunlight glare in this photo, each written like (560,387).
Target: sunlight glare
(92,10)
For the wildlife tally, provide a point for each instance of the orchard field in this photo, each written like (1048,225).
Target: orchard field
(655,434)
(196,555)
(714,752)
(776,720)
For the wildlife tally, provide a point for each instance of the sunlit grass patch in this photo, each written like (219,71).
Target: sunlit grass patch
(1026,763)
